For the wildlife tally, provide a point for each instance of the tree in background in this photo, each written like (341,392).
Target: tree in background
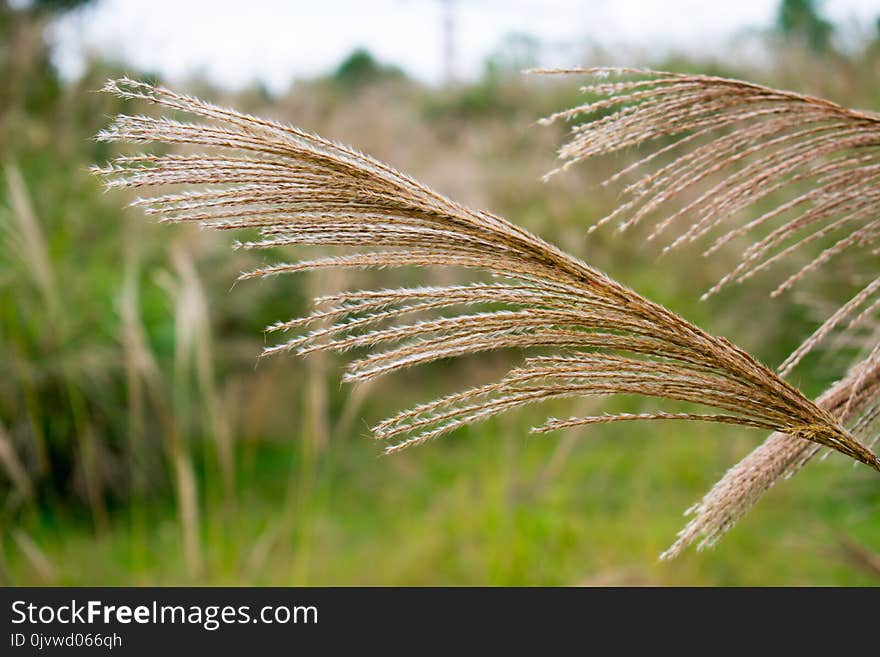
(26,72)
(361,69)
(799,21)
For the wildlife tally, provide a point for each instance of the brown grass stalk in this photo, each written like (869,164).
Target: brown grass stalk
(144,385)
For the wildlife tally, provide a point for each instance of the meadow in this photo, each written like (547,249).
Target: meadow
(142,443)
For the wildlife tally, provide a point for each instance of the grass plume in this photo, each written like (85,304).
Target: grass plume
(745,143)
(853,400)
(296,188)
(717,148)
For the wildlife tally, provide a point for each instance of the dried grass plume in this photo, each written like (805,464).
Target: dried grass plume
(297,188)
(715,151)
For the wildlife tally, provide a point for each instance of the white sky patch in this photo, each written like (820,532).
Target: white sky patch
(234,43)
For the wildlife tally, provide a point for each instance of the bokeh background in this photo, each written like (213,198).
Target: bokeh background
(140,444)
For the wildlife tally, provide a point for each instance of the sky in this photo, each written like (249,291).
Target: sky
(234,43)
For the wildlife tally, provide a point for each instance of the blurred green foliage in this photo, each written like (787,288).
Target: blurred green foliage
(800,20)
(360,69)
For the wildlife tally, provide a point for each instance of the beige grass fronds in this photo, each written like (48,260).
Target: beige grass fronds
(293,187)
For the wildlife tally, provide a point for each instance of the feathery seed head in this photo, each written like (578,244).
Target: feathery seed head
(294,187)
(747,142)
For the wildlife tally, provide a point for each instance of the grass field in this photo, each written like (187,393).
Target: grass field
(489,507)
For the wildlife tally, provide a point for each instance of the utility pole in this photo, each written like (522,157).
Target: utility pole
(448,31)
